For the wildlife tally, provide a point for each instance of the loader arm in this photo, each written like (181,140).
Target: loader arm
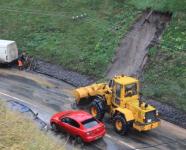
(89,91)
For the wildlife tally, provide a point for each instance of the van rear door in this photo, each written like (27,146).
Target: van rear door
(3,54)
(12,52)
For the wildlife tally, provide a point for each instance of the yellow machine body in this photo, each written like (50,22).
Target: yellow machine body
(122,96)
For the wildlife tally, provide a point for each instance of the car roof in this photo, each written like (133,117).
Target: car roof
(78,115)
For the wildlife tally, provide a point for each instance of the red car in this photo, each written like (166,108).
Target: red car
(80,124)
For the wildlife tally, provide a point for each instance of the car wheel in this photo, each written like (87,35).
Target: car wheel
(97,108)
(79,140)
(54,127)
(120,125)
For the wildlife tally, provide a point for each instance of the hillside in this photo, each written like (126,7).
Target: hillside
(47,30)
(20,133)
(165,75)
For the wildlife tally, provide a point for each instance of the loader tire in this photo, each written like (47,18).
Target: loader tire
(97,108)
(120,125)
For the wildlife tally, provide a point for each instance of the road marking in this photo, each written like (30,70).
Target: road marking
(15,98)
(107,135)
(120,141)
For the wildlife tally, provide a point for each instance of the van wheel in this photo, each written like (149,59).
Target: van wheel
(97,108)
(120,125)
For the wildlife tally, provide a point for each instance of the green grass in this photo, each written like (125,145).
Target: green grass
(20,133)
(161,5)
(165,75)
(46,30)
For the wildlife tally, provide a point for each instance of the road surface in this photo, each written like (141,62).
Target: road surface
(46,96)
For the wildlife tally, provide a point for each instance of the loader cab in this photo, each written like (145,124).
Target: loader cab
(124,89)
(130,89)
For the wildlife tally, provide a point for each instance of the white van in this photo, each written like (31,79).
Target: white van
(8,51)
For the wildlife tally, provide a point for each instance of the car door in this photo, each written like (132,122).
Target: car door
(64,124)
(74,127)
(70,126)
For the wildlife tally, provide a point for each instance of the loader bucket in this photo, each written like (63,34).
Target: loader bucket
(85,92)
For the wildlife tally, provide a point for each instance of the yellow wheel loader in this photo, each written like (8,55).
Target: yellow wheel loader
(122,100)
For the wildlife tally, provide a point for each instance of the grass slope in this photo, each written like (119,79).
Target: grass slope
(19,133)
(165,76)
(160,5)
(46,30)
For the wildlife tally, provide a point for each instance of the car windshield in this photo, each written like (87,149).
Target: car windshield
(90,123)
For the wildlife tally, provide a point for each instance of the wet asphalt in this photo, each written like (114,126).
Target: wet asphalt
(47,96)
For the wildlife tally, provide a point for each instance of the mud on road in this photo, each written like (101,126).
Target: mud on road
(47,96)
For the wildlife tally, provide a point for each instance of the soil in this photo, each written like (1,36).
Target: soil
(131,55)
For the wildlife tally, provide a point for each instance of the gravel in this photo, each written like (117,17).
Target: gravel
(60,73)
(170,113)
